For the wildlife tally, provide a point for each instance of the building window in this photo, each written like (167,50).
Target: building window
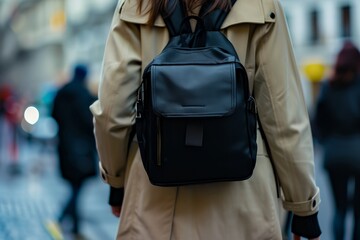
(346,21)
(315,34)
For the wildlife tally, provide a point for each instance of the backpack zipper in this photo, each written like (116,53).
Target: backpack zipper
(158,133)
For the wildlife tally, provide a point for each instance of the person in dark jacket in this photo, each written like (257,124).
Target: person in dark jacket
(337,120)
(76,144)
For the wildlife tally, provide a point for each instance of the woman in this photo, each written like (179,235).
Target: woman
(337,122)
(229,210)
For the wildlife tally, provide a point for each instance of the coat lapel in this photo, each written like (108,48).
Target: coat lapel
(251,11)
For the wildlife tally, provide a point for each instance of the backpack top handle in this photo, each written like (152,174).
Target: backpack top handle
(214,19)
(199,39)
(175,14)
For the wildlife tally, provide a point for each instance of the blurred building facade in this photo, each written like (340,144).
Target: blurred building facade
(318,30)
(319,27)
(41,38)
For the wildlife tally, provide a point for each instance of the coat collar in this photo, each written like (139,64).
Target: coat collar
(244,11)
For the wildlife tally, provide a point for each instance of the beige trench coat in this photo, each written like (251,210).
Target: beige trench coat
(243,210)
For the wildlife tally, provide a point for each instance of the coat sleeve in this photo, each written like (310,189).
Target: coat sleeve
(284,117)
(114,111)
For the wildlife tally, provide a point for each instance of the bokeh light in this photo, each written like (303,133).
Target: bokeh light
(31,115)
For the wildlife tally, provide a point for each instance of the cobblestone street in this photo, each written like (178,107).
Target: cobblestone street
(32,194)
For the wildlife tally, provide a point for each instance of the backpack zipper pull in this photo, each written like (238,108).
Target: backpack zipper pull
(251,105)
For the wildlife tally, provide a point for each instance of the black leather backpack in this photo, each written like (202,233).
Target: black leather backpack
(196,118)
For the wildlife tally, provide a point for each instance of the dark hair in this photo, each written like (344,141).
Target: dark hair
(156,6)
(347,64)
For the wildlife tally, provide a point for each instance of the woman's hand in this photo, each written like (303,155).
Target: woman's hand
(116,210)
(296,237)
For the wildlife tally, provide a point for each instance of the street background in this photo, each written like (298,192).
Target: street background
(41,40)
(32,194)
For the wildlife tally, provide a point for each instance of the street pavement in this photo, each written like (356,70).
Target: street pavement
(327,204)
(33,193)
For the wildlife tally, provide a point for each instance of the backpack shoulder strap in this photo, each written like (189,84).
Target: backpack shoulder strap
(173,17)
(214,19)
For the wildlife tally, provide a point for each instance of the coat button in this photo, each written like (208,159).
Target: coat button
(272,15)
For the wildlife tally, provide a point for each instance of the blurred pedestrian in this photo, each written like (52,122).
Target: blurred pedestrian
(10,117)
(241,210)
(337,120)
(76,144)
